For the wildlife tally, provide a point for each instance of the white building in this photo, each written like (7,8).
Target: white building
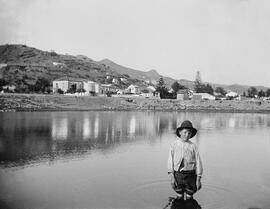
(171,90)
(120,92)
(115,81)
(106,88)
(151,88)
(66,83)
(133,89)
(10,88)
(203,96)
(231,94)
(59,64)
(91,87)
(2,65)
(149,93)
(183,94)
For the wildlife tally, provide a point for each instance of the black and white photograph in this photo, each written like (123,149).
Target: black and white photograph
(131,104)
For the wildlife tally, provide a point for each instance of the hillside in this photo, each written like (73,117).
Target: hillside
(151,76)
(23,65)
(238,88)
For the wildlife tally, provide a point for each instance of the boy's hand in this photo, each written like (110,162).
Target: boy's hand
(173,182)
(198,183)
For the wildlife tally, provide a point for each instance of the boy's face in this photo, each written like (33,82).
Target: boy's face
(185,134)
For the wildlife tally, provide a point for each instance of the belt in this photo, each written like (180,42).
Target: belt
(187,172)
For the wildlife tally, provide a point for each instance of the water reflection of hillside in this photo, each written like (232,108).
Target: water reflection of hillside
(26,137)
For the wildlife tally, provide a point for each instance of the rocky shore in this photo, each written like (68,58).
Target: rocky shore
(38,102)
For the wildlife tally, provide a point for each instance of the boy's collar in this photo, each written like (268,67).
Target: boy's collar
(181,140)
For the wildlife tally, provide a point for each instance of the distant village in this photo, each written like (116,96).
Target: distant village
(79,87)
(155,89)
(38,72)
(83,87)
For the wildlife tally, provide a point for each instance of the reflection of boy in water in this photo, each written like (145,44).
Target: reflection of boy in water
(189,204)
(184,163)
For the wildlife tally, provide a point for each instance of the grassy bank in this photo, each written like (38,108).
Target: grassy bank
(37,102)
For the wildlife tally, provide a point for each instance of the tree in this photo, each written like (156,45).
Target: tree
(145,91)
(72,89)
(261,93)
(53,53)
(3,82)
(202,88)
(209,89)
(161,82)
(49,90)
(267,93)
(198,85)
(60,91)
(252,91)
(176,86)
(81,90)
(221,91)
(41,85)
(198,77)
(162,88)
(109,80)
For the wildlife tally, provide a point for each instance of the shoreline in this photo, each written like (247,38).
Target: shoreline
(60,103)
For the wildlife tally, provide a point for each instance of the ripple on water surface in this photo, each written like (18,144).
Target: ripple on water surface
(212,196)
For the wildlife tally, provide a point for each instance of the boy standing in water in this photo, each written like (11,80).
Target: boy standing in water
(184,163)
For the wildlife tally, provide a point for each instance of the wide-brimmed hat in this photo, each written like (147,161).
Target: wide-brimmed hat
(187,125)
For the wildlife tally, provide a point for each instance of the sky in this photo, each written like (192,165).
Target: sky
(228,41)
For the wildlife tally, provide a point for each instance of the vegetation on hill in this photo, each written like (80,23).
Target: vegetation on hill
(25,67)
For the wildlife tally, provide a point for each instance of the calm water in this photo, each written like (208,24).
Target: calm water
(67,160)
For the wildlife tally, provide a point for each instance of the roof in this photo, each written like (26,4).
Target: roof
(106,85)
(151,88)
(182,91)
(204,94)
(91,82)
(231,94)
(71,79)
(132,85)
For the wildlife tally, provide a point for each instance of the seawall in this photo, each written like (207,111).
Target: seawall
(40,102)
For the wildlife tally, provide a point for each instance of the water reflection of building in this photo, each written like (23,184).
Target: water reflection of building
(25,136)
(109,127)
(59,128)
(86,128)
(106,128)
(96,126)
(132,125)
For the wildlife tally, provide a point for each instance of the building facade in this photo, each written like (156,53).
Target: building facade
(65,84)
(133,89)
(91,87)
